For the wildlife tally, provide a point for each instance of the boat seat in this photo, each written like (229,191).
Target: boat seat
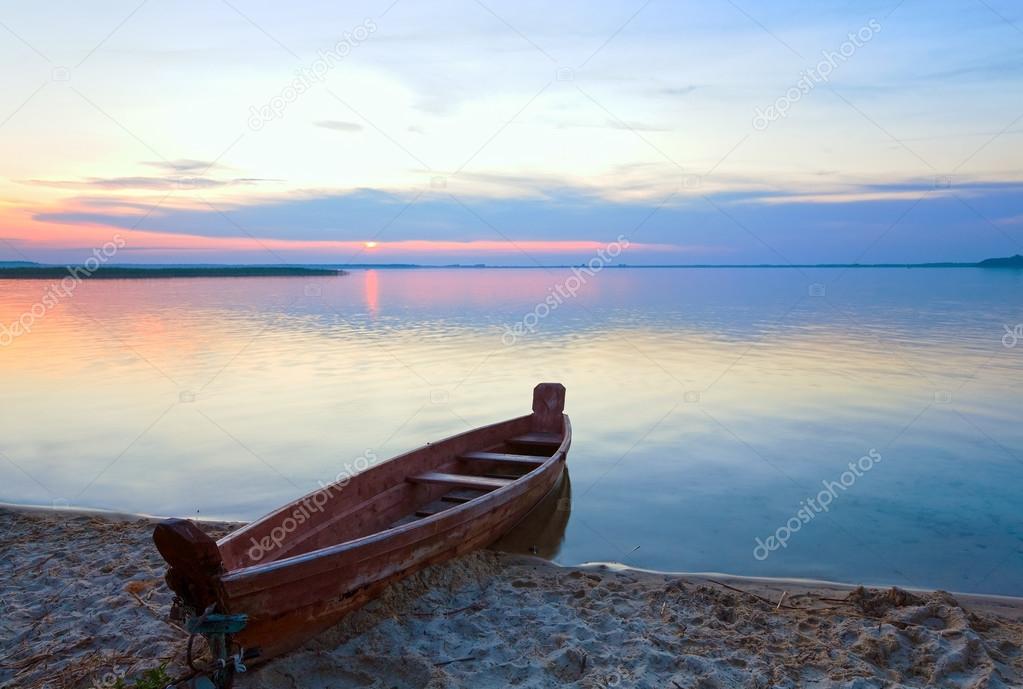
(504,458)
(537,439)
(460,480)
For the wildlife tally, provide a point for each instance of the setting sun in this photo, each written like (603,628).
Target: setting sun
(371,245)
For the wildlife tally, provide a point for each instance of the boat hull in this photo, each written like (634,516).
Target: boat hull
(303,567)
(284,612)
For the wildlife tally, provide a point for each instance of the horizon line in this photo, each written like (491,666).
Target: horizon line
(990,262)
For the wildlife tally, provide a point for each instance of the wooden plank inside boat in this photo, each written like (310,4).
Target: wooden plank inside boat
(461,480)
(537,439)
(505,458)
(463,495)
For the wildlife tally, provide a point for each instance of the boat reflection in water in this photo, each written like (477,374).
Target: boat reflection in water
(542,531)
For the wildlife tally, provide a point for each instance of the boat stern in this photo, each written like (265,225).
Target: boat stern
(194,562)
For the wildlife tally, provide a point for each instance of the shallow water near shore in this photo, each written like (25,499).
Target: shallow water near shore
(710,408)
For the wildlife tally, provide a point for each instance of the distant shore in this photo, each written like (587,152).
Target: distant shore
(48,272)
(84,601)
(35,271)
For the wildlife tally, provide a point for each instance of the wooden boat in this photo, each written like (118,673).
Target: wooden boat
(301,568)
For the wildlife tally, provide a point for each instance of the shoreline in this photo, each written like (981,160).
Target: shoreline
(84,603)
(989,601)
(1010,607)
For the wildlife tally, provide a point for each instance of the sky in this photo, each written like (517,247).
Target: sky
(511,133)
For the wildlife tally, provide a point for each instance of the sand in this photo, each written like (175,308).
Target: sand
(83,601)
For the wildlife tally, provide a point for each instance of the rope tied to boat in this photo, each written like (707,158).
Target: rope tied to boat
(217,629)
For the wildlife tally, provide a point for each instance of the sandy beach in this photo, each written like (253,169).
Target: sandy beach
(83,604)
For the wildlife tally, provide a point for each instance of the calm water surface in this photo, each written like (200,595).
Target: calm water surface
(707,405)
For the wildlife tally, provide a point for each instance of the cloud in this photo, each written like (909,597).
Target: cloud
(340,126)
(183,165)
(635,126)
(730,226)
(677,90)
(632,126)
(976,70)
(910,190)
(183,173)
(145,183)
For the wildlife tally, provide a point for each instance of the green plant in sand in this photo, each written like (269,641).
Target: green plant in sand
(156,678)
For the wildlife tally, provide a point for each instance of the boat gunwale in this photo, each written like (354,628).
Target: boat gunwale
(285,509)
(245,573)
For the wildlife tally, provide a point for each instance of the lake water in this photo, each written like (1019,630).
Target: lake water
(707,405)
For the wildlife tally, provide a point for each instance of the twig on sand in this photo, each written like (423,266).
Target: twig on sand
(454,660)
(474,606)
(156,612)
(144,604)
(750,593)
(40,565)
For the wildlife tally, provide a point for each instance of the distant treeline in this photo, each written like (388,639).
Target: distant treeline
(36,272)
(1008,262)
(25,269)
